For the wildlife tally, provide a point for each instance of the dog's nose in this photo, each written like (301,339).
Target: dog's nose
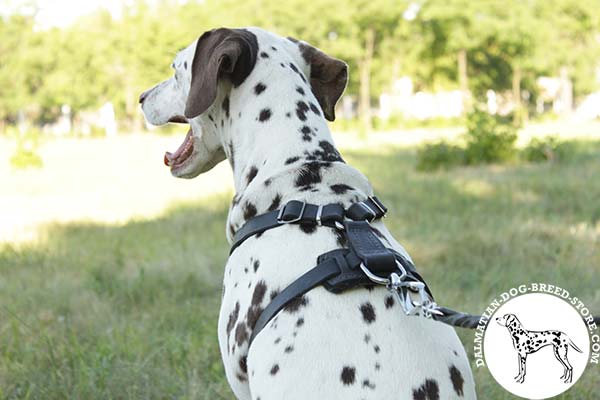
(143,96)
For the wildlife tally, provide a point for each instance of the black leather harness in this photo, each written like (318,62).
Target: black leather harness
(366,261)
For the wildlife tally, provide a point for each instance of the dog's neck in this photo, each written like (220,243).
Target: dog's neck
(264,133)
(277,142)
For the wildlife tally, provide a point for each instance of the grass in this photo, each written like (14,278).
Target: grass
(129,310)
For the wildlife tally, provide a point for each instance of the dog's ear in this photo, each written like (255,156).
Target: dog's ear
(220,53)
(328,77)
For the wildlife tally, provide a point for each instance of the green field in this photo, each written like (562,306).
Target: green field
(107,310)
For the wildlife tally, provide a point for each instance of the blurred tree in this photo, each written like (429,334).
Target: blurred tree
(472,46)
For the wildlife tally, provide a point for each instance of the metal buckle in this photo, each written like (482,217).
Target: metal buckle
(319,213)
(378,205)
(291,221)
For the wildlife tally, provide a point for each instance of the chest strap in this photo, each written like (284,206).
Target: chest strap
(299,212)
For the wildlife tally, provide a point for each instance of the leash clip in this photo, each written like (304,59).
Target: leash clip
(402,288)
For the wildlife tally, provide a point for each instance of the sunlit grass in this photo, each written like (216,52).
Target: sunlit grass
(127,307)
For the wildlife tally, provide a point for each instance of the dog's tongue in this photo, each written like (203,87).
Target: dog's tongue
(170,158)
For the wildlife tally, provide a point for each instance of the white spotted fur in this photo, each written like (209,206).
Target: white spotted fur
(334,333)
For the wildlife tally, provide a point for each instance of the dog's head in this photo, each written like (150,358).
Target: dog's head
(219,61)
(508,320)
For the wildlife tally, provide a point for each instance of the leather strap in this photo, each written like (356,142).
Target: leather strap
(337,270)
(299,212)
(368,247)
(294,211)
(368,210)
(305,283)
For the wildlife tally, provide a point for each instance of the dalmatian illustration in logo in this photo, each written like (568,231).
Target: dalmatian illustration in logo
(527,342)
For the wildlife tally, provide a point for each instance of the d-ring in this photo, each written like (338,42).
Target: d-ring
(375,278)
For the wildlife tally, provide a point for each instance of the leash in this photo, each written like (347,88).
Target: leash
(365,262)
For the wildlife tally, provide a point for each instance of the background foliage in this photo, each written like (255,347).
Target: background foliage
(101,59)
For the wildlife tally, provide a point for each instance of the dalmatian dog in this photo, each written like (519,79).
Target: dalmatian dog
(527,342)
(261,101)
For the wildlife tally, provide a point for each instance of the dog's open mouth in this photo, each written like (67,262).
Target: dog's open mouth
(178,159)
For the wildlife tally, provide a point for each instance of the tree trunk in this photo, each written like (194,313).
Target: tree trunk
(516,91)
(463,79)
(364,67)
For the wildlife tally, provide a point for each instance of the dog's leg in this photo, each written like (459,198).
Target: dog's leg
(558,357)
(518,377)
(562,351)
(522,367)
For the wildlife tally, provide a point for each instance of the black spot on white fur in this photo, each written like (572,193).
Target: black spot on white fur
(427,391)
(300,74)
(300,90)
(233,318)
(274,369)
(249,210)
(309,175)
(301,110)
(389,302)
(240,377)
(348,375)
(294,305)
(259,293)
(241,334)
(457,380)
(307,133)
(275,203)
(368,384)
(231,155)
(225,107)
(308,228)
(264,115)
(251,174)
(315,109)
(291,160)
(243,364)
(264,55)
(340,188)
(368,312)
(259,88)
(326,153)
